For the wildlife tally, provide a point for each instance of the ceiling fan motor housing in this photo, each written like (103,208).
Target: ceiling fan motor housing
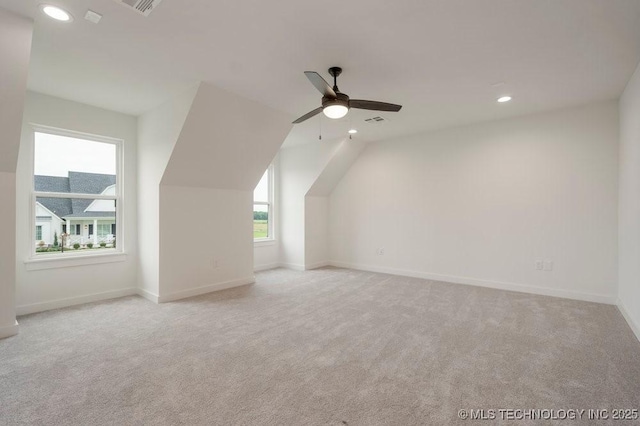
(341,99)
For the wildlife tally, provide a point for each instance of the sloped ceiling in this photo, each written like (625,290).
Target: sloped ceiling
(344,155)
(227,142)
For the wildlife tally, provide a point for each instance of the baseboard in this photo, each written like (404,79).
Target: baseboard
(148,295)
(316,265)
(266,267)
(171,297)
(9,330)
(635,327)
(521,288)
(294,266)
(72,301)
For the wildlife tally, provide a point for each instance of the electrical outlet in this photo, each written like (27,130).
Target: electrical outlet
(539,265)
(548,265)
(380,251)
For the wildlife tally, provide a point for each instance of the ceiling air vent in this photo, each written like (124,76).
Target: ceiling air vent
(374,120)
(143,7)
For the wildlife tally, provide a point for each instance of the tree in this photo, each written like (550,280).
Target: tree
(55,239)
(260,215)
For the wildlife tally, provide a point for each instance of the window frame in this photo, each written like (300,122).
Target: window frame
(270,206)
(54,260)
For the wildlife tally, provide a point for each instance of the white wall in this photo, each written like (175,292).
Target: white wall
(266,255)
(316,231)
(51,288)
(300,167)
(480,204)
(316,236)
(206,240)
(629,208)
(15,49)
(158,131)
(15,52)
(8,256)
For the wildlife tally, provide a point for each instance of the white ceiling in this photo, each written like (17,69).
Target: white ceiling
(440,59)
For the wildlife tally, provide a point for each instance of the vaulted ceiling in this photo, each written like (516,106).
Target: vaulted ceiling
(445,61)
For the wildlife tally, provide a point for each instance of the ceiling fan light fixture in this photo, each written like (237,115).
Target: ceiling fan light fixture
(335,111)
(504,99)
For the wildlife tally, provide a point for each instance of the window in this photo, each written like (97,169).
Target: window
(76,191)
(104,229)
(263,207)
(75,229)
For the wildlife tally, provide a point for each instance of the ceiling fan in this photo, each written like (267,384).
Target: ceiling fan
(336,104)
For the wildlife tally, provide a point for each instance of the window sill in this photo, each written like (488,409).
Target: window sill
(264,242)
(70,260)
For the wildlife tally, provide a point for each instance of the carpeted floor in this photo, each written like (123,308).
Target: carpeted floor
(324,347)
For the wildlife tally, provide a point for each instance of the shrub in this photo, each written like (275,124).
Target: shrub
(55,239)
(90,245)
(76,246)
(103,244)
(41,244)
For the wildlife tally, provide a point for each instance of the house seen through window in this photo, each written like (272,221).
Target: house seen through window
(263,207)
(76,195)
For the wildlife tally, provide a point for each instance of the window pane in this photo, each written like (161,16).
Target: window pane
(261,193)
(65,164)
(89,229)
(260,221)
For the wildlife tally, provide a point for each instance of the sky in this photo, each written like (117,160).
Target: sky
(57,155)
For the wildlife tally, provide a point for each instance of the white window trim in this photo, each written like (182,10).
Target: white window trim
(271,239)
(76,258)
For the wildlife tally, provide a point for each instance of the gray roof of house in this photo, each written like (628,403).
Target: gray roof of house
(59,206)
(88,183)
(90,214)
(79,183)
(51,183)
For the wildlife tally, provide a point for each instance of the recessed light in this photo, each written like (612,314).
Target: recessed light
(56,13)
(504,99)
(353,131)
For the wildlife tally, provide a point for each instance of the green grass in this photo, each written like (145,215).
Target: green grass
(53,250)
(260,229)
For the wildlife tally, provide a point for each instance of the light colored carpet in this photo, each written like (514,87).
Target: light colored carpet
(323,347)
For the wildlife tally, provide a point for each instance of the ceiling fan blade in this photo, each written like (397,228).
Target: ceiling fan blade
(308,115)
(320,84)
(374,105)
